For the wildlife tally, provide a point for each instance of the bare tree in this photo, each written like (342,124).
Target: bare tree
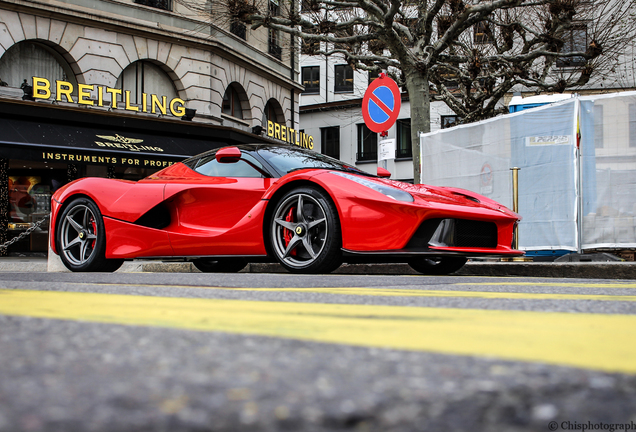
(467,53)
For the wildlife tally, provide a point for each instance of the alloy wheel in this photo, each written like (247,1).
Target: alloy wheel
(78,235)
(299,230)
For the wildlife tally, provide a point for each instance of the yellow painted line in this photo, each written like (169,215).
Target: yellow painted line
(442,293)
(594,341)
(552,284)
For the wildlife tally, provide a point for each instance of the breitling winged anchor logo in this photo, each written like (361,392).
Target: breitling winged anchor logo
(122,142)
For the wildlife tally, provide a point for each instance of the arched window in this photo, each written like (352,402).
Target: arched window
(27,59)
(232,102)
(273,112)
(144,76)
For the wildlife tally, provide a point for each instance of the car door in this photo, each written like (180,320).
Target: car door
(219,209)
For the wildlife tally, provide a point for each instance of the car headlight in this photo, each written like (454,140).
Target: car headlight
(391,192)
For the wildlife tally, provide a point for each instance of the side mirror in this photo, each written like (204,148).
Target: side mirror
(383,173)
(228,155)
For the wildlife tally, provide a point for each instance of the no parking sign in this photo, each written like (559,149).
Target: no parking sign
(381,104)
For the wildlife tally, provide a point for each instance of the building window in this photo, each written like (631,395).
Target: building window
(449,121)
(274,48)
(26,59)
(344,79)
(367,144)
(373,75)
(232,103)
(273,112)
(159,4)
(482,33)
(309,5)
(238,29)
(274,8)
(311,79)
(404,148)
(598,126)
(632,125)
(330,141)
(448,78)
(145,77)
(575,41)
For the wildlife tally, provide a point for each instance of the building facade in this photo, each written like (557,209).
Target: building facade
(121,89)
(331,104)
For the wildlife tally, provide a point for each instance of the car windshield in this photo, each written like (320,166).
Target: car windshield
(288,159)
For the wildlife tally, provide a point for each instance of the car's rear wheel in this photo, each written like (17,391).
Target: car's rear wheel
(81,238)
(219,265)
(437,266)
(305,232)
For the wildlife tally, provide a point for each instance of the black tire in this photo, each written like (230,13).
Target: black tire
(219,265)
(304,232)
(437,266)
(80,238)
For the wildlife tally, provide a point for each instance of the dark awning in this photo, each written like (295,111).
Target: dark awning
(34,131)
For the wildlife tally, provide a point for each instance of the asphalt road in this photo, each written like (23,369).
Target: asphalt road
(267,352)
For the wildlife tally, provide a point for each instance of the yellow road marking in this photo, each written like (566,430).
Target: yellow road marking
(442,293)
(552,284)
(595,341)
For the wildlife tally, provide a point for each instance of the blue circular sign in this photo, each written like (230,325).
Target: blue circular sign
(381,104)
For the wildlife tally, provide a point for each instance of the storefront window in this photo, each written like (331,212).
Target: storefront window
(30,188)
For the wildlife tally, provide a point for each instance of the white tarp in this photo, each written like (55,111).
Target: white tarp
(556,183)
(608,133)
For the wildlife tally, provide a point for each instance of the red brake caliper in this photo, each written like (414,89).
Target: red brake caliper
(92,222)
(288,233)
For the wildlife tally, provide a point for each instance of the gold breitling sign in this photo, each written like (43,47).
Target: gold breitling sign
(289,135)
(64,93)
(120,142)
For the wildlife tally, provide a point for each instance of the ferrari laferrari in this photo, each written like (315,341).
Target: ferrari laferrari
(274,203)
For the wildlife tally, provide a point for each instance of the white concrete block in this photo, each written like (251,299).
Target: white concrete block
(12,21)
(43,26)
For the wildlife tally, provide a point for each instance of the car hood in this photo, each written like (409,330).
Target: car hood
(447,195)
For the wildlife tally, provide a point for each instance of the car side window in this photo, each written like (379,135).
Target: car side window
(210,167)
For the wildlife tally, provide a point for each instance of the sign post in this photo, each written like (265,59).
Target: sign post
(380,109)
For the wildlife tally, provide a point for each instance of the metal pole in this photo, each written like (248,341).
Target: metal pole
(515,202)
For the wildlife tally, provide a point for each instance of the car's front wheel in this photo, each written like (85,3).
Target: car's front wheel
(305,232)
(80,238)
(437,266)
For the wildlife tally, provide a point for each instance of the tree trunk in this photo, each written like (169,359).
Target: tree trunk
(420,101)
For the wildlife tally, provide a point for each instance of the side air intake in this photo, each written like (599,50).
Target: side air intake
(454,233)
(158,217)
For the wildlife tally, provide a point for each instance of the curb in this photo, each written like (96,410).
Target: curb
(582,270)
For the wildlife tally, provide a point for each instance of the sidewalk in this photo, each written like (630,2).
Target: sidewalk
(587,270)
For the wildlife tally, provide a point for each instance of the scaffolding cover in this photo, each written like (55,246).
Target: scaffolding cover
(557,180)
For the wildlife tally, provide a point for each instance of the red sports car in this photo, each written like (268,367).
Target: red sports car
(264,203)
